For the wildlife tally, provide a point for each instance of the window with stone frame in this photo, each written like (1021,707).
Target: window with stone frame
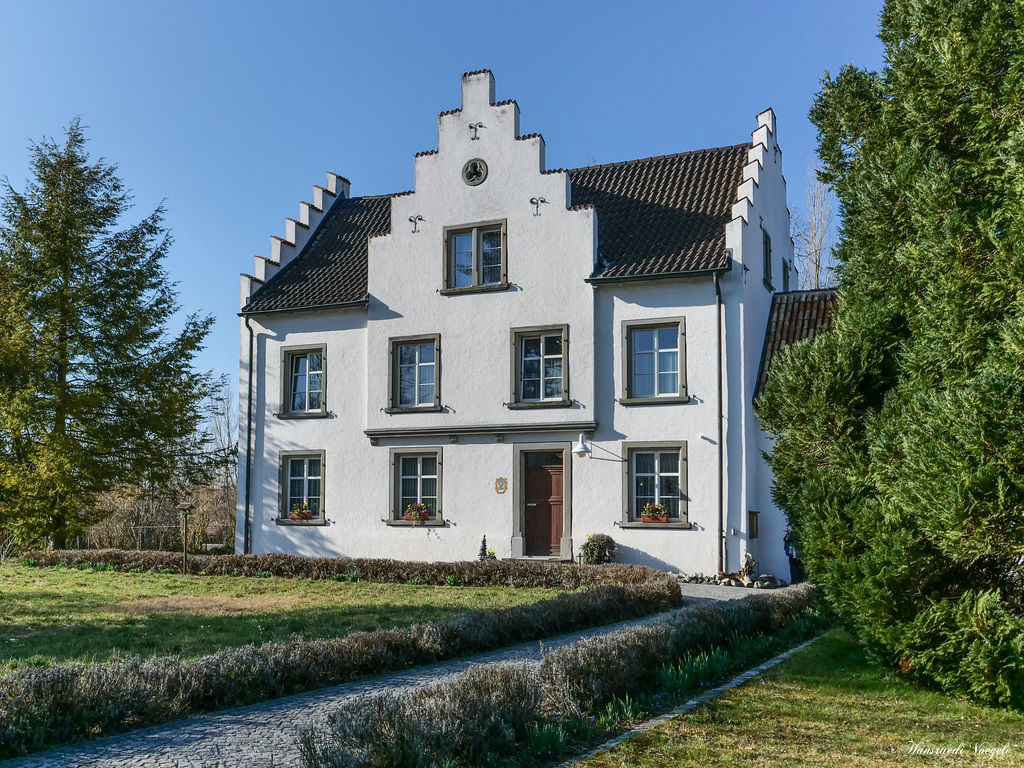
(475,257)
(656,475)
(540,366)
(654,361)
(304,380)
(415,373)
(416,480)
(302,486)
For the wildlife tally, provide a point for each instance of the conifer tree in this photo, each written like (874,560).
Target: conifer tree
(899,451)
(94,391)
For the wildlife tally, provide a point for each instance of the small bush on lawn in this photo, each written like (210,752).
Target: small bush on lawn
(544,703)
(471,573)
(40,707)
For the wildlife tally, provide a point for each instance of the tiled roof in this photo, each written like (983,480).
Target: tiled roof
(795,316)
(332,267)
(655,216)
(662,214)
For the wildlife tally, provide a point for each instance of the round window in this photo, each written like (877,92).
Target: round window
(474,172)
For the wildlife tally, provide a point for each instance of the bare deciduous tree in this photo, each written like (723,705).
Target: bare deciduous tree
(813,233)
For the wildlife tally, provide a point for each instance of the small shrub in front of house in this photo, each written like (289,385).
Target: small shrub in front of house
(599,548)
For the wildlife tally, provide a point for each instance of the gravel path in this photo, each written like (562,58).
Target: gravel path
(264,735)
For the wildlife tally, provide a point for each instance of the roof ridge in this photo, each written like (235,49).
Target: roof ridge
(745,145)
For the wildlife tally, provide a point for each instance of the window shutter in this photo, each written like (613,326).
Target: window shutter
(282,480)
(323,389)
(437,371)
(565,364)
(517,367)
(683,388)
(504,254)
(286,382)
(392,377)
(684,474)
(627,363)
(448,265)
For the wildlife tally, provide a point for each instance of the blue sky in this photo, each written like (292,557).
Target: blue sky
(229,112)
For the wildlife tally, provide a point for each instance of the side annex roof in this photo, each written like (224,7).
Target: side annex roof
(794,316)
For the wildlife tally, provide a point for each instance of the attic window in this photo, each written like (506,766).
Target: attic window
(475,258)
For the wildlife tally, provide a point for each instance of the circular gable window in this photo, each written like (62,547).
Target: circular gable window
(474,172)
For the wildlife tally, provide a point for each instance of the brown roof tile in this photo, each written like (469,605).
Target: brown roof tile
(794,316)
(662,214)
(332,266)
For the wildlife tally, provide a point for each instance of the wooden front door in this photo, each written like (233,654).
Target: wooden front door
(542,496)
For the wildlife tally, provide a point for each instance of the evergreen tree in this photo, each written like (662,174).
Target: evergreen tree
(93,390)
(900,437)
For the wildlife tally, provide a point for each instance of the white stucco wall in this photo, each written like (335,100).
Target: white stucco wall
(549,257)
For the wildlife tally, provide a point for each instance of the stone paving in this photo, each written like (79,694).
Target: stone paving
(265,735)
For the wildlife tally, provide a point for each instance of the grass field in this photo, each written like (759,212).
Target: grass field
(52,615)
(827,706)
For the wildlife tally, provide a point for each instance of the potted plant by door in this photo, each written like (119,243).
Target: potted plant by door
(300,512)
(654,513)
(417,513)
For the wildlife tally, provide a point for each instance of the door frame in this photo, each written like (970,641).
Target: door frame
(519,501)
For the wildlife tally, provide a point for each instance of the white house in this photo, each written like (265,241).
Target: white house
(454,345)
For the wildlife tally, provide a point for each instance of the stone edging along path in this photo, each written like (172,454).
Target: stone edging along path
(692,704)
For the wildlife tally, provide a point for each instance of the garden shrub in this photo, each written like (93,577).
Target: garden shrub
(580,678)
(502,703)
(597,549)
(471,573)
(43,706)
(462,719)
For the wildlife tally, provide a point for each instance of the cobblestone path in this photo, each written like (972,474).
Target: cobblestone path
(264,735)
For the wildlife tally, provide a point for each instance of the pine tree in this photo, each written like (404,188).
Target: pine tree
(900,438)
(93,390)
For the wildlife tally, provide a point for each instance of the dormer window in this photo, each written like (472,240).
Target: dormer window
(475,258)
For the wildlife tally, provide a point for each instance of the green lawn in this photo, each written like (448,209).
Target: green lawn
(51,615)
(827,706)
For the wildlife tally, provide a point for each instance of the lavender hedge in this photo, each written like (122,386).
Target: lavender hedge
(44,706)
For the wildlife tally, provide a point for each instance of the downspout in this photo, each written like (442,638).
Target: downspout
(722,561)
(247,541)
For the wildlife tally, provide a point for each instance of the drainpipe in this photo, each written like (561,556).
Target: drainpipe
(722,560)
(247,540)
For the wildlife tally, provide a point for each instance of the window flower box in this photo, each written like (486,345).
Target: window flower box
(301,512)
(654,518)
(417,513)
(654,513)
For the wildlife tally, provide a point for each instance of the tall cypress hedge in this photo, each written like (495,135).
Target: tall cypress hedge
(900,437)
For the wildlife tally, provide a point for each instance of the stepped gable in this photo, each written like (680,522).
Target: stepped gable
(662,214)
(794,316)
(659,215)
(331,269)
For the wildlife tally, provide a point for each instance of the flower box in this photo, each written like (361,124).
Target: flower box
(418,517)
(654,518)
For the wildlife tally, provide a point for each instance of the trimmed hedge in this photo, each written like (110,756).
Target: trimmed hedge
(580,678)
(489,711)
(44,706)
(472,573)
